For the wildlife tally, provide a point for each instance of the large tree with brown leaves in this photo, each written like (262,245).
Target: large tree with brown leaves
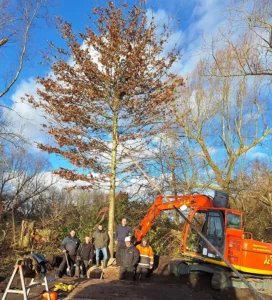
(113,91)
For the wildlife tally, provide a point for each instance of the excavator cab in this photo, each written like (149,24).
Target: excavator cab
(214,232)
(213,224)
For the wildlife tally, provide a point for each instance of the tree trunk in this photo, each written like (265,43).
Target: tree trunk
(174,187)
(13,224)
(25,237)
(112,183)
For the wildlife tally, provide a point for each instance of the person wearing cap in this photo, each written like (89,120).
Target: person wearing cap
(128,259)
(121,233)
(146,259)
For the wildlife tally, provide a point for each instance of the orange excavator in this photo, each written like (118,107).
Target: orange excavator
(221,226)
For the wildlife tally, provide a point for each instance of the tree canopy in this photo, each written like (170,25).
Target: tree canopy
(109,86)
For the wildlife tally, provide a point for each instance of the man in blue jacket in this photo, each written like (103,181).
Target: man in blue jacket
(69,246)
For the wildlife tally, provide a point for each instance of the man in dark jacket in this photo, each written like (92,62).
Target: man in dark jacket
(85,255)
(121,233)
(128,258)
(69,246)
(101,239)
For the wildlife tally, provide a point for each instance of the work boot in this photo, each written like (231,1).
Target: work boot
(77,271)
(104,264)
(97,263)
(57,275)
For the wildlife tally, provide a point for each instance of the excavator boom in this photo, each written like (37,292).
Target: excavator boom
(170,202)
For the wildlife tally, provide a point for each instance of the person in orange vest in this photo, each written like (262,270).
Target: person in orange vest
(146,259)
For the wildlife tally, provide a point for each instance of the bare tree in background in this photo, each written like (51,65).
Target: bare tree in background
(17,20)
(10,132)
(248,37)
(223,117)
(23,177)
(252,188)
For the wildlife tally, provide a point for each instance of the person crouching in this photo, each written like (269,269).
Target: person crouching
(128,258)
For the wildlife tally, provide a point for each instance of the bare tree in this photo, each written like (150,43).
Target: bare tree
(169,159)
(247,35)
(23,177)
(17,20)
(252,188)
(11,131)
(223,117)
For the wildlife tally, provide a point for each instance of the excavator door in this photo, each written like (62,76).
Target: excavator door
(213,230)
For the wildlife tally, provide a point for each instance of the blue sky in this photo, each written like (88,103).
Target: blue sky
(199,19)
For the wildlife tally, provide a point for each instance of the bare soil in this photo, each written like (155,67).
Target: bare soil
(160,285)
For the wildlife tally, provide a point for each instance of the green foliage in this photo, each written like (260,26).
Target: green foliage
(121,207)
(164,236)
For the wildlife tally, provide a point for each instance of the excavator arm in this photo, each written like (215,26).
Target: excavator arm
(172,201)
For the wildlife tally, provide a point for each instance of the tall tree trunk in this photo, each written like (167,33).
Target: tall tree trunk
(13,222)
(174,186)
(112,183)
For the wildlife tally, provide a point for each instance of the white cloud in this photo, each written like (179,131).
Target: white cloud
(62,183)
(205,22)
(25,115)
(254,153)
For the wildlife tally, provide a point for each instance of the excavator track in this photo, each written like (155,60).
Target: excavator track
(222,277)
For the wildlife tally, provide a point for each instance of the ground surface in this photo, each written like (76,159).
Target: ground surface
(159,286)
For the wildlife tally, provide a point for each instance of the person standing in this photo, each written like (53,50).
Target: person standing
(101,239)
(146,259)
(128,258)
(85,255)
(69,247)
(121,233)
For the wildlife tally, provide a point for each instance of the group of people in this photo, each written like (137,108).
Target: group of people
(134,261)
(80,256)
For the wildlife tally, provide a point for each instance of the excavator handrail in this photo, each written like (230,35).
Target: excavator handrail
(248,233)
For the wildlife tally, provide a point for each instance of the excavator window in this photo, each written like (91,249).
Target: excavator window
(233,221)
(194,242)
(215,228)
(214,232)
